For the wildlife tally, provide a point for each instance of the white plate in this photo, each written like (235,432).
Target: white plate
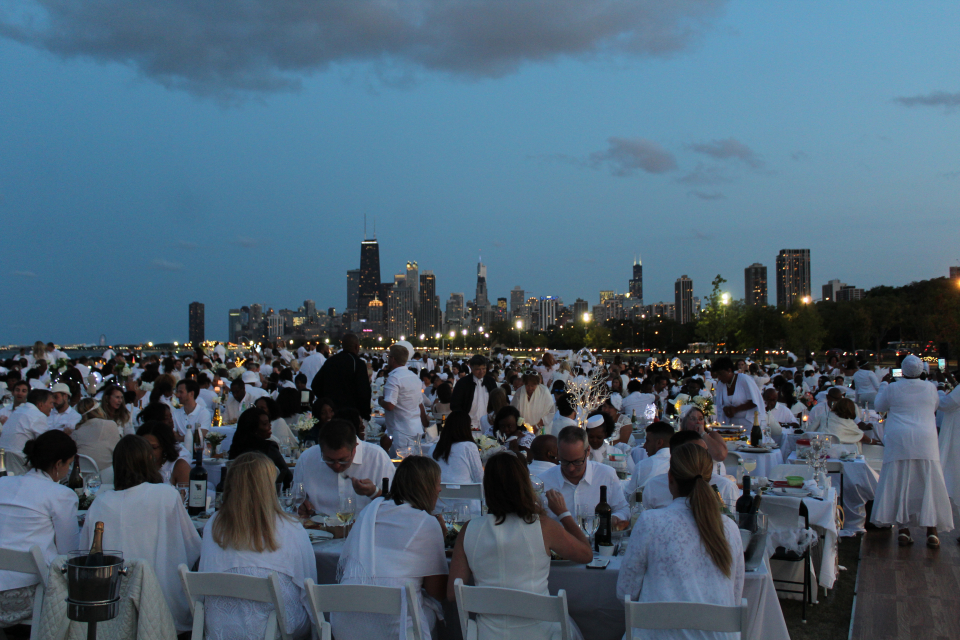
(327,521)
(793,492)
(319,536)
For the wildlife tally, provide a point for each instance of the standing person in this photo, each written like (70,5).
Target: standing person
(911,490)
(738,397)
(686,551)
(510,547)
(311,364)
(31,419)
(865,382)
(251,535)
(402,403)
(35,509)
(379,552)
(950,447)
(343,378)
(472,393)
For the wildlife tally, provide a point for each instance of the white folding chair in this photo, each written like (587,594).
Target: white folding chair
(692,616)
(30,562)
(231,585)
(873,455)
(781,471)
(88,466)
(473,491)
(508,602)
(361,598)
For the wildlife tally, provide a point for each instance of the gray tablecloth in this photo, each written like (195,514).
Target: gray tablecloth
(592,598)
(859,486)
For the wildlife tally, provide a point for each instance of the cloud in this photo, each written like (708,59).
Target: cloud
(625,156)
(166,265)
(948,101)
(259,46)
(189,246)
(726,150)
(703,195)
(23,274)
(704,174)
(247,243)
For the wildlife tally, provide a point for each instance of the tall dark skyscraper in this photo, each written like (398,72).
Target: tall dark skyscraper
(793,276)
(755,285)
(636,282)
(353,290)
(683,300)
(196,328)
(482,301)
(369,285)
(428,315)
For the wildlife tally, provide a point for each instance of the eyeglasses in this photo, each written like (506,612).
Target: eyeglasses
(576,464)
(342,461)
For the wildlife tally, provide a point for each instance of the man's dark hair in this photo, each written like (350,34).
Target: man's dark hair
(191,385)
(660,431)
(571,434)
(338,434)
(681,438)
(38,396)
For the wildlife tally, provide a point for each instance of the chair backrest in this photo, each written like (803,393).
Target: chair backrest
(231,585)
(362,598)
(88,466)
(693,616)
(472,491)
(781,471)
(31,562)
(509,602)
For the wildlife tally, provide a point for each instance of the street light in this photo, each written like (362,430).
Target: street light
(464,333)
(519,327)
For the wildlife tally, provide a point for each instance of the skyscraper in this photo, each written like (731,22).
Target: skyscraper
(369,285)
(310,308)
(401,316)
(683,300)
(516,301)
(234,325)
(374,322)
(831,289)
(793,276)
(196,328)
(549,307)
(481,300)
(454,316)
(353,290)
(580,307)
(755,285)
(413,279)
(636,282)
(428,315)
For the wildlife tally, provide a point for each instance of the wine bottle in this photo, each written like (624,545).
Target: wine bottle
(723,505)
(756,436)
(386,487)
(604,535)
(3,463)
(75,481)
(745,513)
(197,496)
(95,557)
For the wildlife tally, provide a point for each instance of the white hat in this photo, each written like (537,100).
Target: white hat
(912,366)
(594,421)
(408,346)
(250,377)
(808,367)
(61,388)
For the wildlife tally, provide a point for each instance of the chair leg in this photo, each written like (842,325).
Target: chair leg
(806,587)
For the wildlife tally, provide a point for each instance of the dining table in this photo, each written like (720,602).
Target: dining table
(859,486)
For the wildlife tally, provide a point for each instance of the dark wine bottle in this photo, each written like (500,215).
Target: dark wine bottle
(3,463)
(386,487)
(95,557)
(756,435)
(75,481)
(197,496)
(745,513)
(604,535)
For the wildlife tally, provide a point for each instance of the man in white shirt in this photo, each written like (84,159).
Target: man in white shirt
(28,421)
(543,450)
(777,410)
(62,416)
(656,492)
(191,415)
(221,351)
(341,465)
(657,446)
(311,365)
(19,391)
(237,402)
(252,380)
(820,411)
(405,416)
(208,397)
(578,479)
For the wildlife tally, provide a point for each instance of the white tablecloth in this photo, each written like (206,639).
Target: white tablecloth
(859,487)
(592,598)
(823,515)
(765,462)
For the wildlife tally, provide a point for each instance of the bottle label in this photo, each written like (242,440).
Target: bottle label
(198,494)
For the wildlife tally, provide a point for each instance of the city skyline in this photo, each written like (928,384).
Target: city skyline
(139,174)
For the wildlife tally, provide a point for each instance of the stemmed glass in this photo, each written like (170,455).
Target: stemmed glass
(93,485)
(537,485)
(463,516)
(299,494)
(587,519)
(347,509)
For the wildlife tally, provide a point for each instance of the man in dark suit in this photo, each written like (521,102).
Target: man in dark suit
(472,392)
(343,378)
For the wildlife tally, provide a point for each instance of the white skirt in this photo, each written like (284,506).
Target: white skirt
(912,493)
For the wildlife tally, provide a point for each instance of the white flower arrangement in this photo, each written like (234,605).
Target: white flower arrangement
(704,403)
(236,372)
(588,393)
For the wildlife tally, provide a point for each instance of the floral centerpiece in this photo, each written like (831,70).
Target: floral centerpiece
(487,445)
(215,439)
(587,394)
(704,403)
(58,368)
(303,425)
(121,371)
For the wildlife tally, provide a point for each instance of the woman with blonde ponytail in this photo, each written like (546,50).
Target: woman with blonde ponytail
(686,551)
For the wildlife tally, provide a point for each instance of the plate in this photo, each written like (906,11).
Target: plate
(319,536)
(327,521)
(754,449)
(793,492)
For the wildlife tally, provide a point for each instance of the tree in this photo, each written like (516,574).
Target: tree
(803,329)
(720,317)
(760,327)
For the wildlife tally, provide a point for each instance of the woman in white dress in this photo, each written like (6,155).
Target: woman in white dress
(145,518)
(395,541)
(114,408)
(251,535)
(173,469)
(950,446)
(534,401)
(510,547)
(458,457)
(510,429)
(738,397)
(35,509)
(687,551)
(911,490)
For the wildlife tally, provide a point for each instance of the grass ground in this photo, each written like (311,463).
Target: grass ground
(830,619)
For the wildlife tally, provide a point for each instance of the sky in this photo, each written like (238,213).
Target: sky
(153,154)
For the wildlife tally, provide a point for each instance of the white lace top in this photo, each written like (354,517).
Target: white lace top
(666,562)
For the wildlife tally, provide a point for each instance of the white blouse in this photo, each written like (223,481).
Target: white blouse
(35,510)
(533,409)
(911,431)
(666,562)
(462,465)
(745,390)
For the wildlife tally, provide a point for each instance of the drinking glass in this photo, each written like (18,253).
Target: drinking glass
(587,519)
(184,489)
(286,499)
(299,493)
(347,509)
(537,485)
(749,464)
(93,485)
(463,515)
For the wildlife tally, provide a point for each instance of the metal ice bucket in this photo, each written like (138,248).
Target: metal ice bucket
(93,593)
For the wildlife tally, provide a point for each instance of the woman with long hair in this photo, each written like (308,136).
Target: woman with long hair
(253,434)
(510,546)
(278,426)
(145,518)
(172,468)
(687,551)
(251,535)
(95,435)
(458,457)
(378,551)
(115,408)
(496,401)
(35,509)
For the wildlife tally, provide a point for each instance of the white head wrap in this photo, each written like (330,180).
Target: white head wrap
(912,366)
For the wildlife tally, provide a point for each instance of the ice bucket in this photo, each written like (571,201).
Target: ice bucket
(93,593)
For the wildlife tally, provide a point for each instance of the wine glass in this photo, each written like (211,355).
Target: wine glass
(749,464)
(299,493)
(347,509)
(587,519)
(537,485)
(463,516)
(93,485)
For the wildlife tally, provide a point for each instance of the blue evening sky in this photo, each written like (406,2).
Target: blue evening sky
(127,192)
